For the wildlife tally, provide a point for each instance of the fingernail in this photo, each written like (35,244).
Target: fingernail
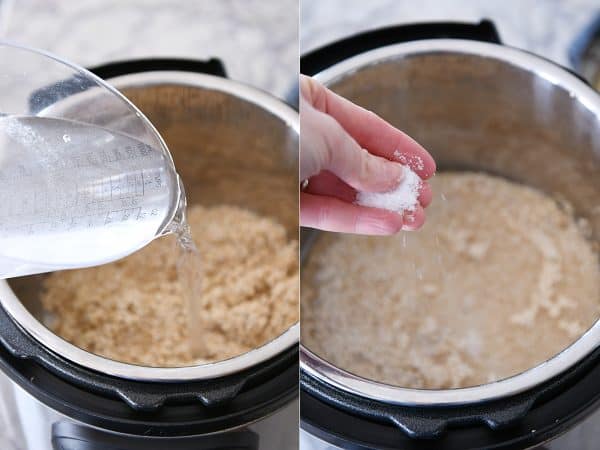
(394,173)
(380,174)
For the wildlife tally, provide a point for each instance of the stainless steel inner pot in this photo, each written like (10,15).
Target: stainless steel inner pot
(485,107)
(231,144)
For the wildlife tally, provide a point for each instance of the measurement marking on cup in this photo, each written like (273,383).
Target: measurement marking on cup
(79,202)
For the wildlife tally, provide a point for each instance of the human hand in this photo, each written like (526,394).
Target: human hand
(345,149)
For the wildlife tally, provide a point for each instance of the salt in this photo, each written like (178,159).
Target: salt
(403,198)
(410,160)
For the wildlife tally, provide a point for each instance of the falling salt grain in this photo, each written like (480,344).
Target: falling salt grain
(403,198)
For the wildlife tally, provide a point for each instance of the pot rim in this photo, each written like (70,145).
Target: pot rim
(29,324)
(315,366)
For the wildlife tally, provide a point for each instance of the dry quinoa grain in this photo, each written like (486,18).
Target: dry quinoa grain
(499,279)
(133,310)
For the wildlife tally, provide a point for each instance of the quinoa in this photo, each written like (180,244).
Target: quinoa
(133,310)
(498,280)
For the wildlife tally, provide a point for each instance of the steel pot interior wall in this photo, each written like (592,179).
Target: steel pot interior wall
(476,112)
(226,149)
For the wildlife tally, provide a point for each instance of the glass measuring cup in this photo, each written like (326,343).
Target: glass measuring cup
(79,185)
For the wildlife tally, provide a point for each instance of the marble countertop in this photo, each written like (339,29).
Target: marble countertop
(256,39)
(546,27)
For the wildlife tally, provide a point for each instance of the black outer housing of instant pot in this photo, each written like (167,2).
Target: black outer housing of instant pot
(516,422)
(324,57)
(211,66)
(128,414)
(588,38)
(68,436)
(49,95)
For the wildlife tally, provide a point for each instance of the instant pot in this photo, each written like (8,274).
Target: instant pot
(227,140)
(475,104)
